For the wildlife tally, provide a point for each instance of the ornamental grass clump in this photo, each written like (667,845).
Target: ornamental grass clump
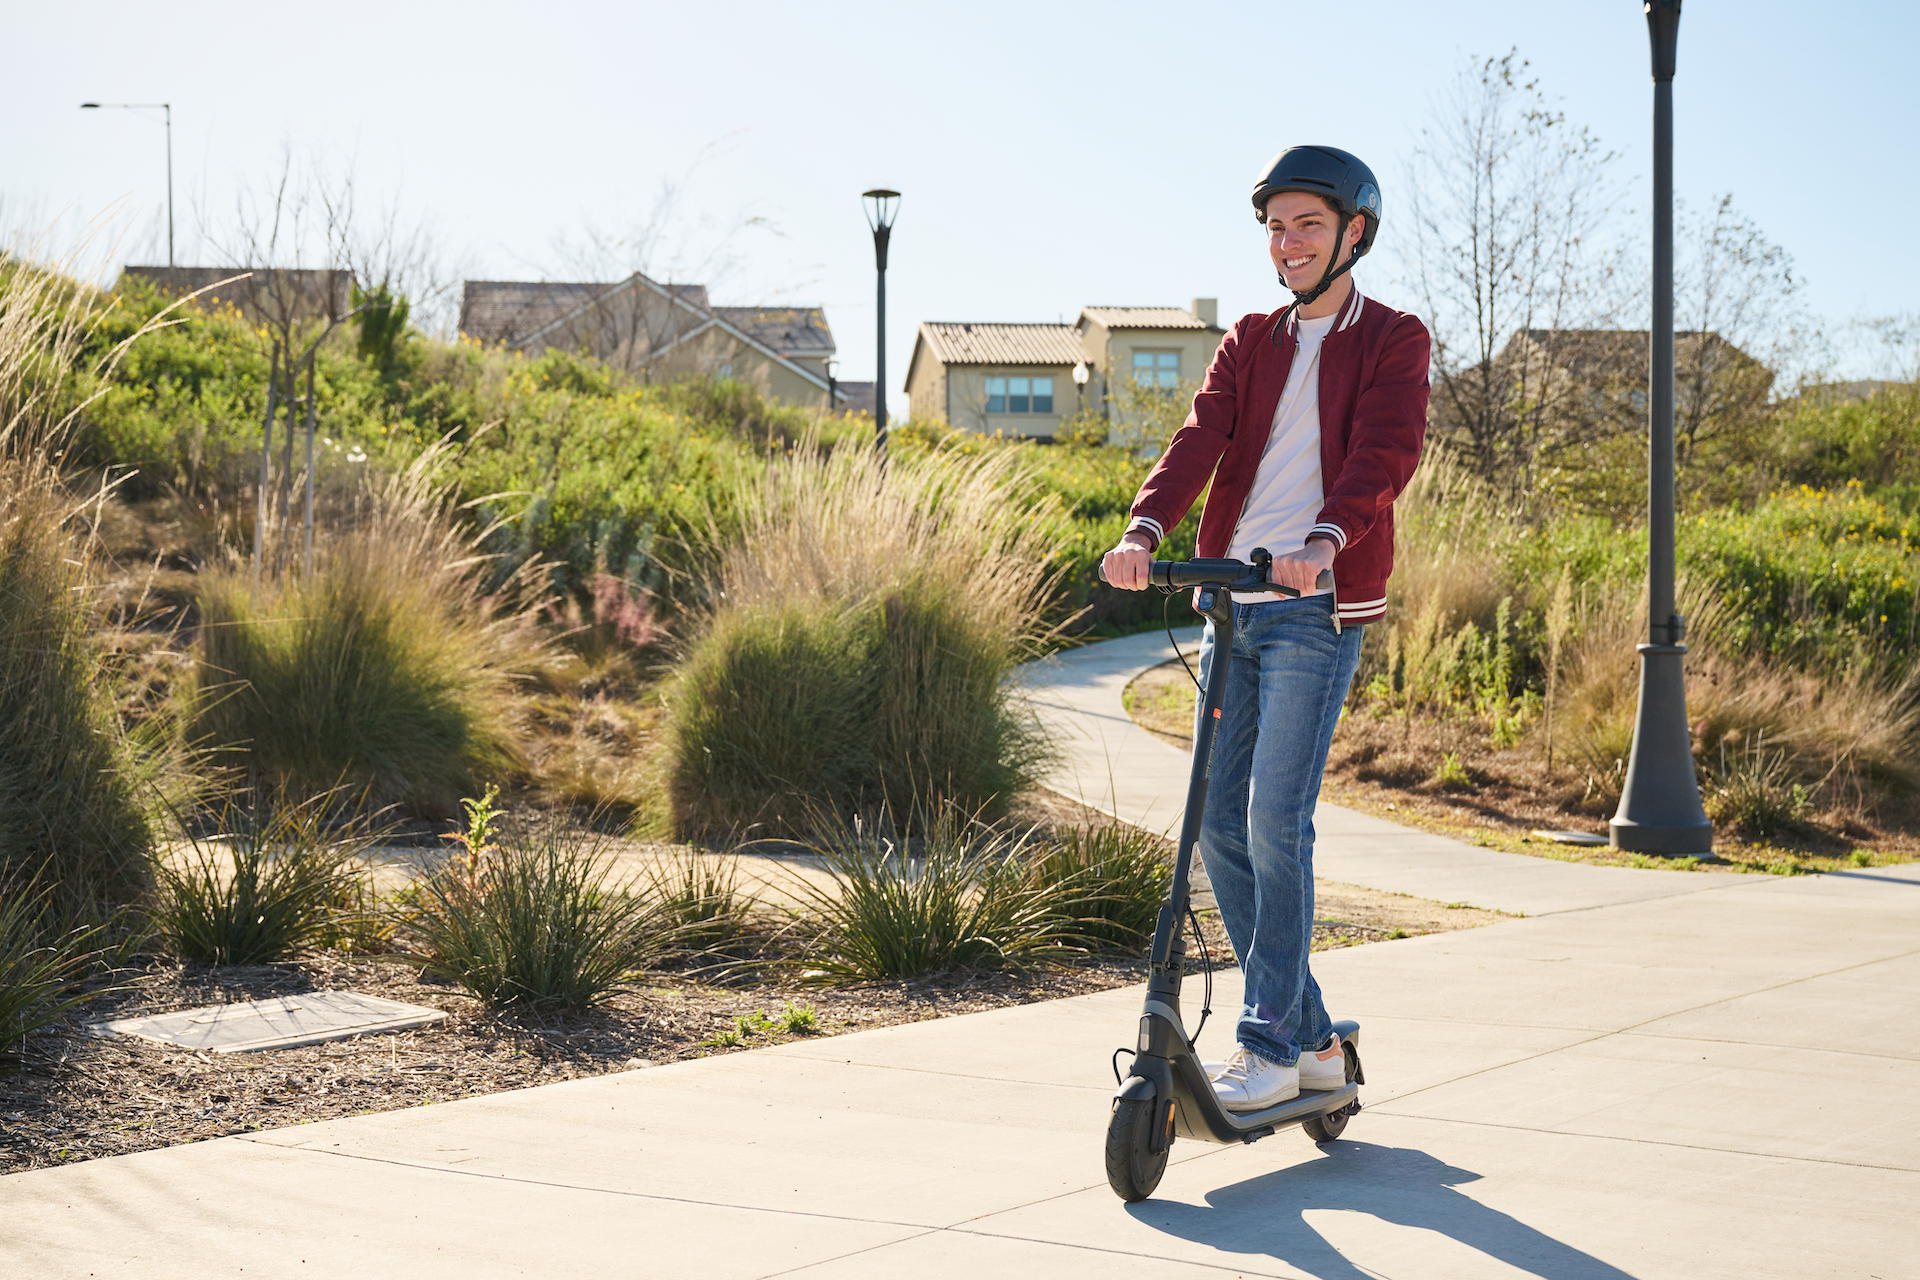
(389,669)
(275,878)
(864,618)
(701,899)
(42,973)
(69,775)
(536,919)
(1113,877)
(953,893)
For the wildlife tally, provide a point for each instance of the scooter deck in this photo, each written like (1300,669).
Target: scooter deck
(1198,1114)
(1210,1122)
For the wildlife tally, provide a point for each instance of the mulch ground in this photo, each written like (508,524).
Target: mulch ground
(114,1095)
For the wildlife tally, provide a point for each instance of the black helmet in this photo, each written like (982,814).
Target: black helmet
(1341,179)
(1338,175)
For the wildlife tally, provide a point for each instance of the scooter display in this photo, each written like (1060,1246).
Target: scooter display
(1167,1093)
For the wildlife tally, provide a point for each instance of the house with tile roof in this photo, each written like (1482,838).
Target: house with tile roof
(1024,380)
(659,332)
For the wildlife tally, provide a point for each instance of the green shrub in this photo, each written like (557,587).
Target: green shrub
(864,621)
(1113,879)
(275,878)
(960,895)
(385,671)
(534,920)
(41,974)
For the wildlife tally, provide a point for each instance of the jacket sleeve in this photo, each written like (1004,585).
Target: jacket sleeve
(1389,428)
(1184,470)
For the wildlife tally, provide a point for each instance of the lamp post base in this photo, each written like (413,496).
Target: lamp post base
(1672,842)
(1660,808)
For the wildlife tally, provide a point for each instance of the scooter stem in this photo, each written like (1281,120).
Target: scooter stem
(1216,604)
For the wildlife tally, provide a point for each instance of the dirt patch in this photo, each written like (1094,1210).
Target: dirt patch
(1444,776)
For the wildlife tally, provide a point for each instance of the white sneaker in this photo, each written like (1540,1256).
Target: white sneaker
(1248,1082)
(1324,1068)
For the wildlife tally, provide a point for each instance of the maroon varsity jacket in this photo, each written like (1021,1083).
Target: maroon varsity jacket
(1373,420)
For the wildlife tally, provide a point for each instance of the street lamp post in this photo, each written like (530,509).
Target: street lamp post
(881,206)
(149,106)
(1660,800)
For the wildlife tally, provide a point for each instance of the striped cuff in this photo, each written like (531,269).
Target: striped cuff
(1357,611)
(1150,527)
(1327,529)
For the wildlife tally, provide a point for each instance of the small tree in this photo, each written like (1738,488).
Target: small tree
(1736,298)
(1505,200)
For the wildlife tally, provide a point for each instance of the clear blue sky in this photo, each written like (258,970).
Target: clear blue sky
(1051,154)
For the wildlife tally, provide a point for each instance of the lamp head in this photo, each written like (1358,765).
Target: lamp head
(1080,374)
(881,205)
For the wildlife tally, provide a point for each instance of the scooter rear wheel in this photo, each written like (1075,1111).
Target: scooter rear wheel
(1133,1167)
(1328,1127)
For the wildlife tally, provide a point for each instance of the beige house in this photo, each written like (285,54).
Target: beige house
(1007,379)
(660,332)
(1025,379)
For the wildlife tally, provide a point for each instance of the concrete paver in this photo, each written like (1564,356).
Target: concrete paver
(1652,1082)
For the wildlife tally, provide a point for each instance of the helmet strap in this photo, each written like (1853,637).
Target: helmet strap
(1312,295)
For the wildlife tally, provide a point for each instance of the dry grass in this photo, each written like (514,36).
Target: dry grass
(69,775)
(864,619)
(391,667)
(1849,737)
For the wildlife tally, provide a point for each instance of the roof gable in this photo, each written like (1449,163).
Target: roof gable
(513,311)
(795,332)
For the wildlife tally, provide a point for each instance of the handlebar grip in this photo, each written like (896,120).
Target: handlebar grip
(1232,574)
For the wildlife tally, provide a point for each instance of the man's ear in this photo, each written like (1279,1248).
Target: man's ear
(1355,229)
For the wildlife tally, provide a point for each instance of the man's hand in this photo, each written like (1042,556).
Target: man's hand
(1298,569)
(1126,565)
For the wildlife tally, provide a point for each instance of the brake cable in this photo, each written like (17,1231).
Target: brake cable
(1166,619)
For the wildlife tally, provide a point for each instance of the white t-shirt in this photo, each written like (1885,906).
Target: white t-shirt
(1286,495)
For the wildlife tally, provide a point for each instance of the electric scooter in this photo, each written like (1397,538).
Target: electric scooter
(1167,1093)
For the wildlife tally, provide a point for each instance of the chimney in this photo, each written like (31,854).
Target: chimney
(1207,312)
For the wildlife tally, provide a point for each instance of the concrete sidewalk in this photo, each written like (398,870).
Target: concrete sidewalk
(1669,1075)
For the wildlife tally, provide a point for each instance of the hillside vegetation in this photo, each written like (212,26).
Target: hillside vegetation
(588,523)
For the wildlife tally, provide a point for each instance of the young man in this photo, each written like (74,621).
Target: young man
(1308,427)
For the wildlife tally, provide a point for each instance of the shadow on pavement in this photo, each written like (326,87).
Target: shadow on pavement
(1394,1184)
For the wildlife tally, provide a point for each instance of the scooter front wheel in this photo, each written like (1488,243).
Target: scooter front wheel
(1133,1167)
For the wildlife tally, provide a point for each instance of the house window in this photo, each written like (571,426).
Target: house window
(1019,395)
(1157,369)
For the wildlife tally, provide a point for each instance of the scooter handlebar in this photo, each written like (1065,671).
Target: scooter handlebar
(1234,575)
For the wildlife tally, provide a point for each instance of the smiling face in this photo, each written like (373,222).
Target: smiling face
(1300,238)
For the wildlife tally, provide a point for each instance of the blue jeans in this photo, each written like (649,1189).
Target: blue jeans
(1285,686)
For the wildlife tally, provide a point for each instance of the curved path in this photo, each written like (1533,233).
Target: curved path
(1660,1075)
(1111,764)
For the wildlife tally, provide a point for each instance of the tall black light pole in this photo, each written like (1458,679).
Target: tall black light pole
(1660,802)
(881,206)
(149,106)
